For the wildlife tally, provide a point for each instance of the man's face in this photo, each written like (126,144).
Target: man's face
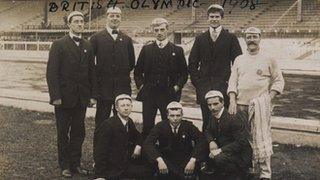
(76,24)
(252,41)
(113,20)
(124,107)
(175,116)
(161,32)
(215,105)
(214,19)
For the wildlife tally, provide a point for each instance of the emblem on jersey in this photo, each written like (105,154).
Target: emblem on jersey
(173,54)
(85,51)
(183,136)
(259,72)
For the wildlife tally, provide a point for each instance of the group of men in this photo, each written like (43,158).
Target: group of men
(234,92)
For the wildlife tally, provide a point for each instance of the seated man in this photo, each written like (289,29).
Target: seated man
(230,152)
(176,146)
(118,145)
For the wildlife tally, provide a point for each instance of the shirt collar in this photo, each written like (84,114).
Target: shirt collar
(164,43)
(220,113)
(73,35)
(172,127)
(124,122)
(218,29)
(110,30)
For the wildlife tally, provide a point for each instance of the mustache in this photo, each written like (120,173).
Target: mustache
(252,42)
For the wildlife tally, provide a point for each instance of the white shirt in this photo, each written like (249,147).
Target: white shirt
(162,44)
(172,128)
(215,32)
(114,36)
(124,122)
(220,113)
(73,35)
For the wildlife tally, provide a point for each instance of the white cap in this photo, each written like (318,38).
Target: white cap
(252,30)
(114,10)
(74,13)
(215,6)
(212,94)
(174,105)
(123,96)
(159,21)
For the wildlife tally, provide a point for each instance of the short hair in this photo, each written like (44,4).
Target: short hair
(215,8)
(158,21)
(74,13)
(174,109)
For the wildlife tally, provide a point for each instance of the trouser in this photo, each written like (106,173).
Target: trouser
(71,133)
(158,99)
(225,167)
(264,168)
(103,111)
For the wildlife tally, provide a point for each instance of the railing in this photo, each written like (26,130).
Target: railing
(24,46)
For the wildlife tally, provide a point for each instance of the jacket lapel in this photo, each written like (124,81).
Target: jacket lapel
(120,125)
(73,48)
(107,35)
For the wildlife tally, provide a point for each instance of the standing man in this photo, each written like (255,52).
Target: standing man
(210,59)
(230,152)
(118,146)
(256,76)
(72,87)
(115,59)
(160,74)
(175,146)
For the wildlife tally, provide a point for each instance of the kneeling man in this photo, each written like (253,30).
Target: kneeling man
(118,145)
(230,152)
(175,145)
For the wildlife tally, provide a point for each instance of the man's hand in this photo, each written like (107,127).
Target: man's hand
(163,169)
(57,102)
(273,94)
(137,152)
(92,102)
(214,153)
(213,145)
(233,103)
(176,88)
(190,166)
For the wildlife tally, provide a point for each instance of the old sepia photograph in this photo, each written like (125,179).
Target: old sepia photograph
(160,89)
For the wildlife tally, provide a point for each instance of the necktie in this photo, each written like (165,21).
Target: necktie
(126,126)
(214,35)
(114,32)
(160,45)
(76,39)
(175,130)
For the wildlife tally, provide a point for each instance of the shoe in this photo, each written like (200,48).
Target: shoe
(264,178)
(66,173)
(206,169)
(80,170)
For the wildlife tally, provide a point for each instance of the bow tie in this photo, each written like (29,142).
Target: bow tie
(114,31)
(76,39)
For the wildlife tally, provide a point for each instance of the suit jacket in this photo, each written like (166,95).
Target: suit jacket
(114,147)
(175,150)
(210,62)
(71,72)
(114,59)
(177,70)
(231,136)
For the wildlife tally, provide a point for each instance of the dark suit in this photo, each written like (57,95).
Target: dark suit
(115,59)
(159,70)
(210,65)
(175,149)
(230,135)
(71,78)
(114,146)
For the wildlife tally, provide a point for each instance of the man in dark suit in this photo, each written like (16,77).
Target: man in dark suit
(118,146)
(210,59)
(176,147)
(115,59)
(160,74)
(72,87)
(230,151)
